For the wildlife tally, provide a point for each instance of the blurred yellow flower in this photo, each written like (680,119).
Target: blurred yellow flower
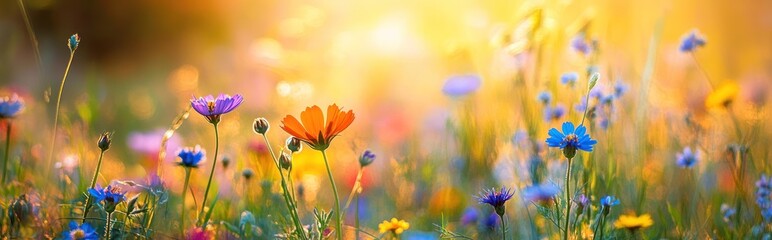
(395,226)
(723,95)
(632,222)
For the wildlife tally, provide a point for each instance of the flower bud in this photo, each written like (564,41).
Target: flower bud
(226,161)
(247,173)
(593,80)
(285,161)
(104,141)
(367,158)
(73,42)
(294,144)
(261,125)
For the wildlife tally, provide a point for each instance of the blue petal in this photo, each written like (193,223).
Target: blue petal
(568,128)
(580,131)
(556,134)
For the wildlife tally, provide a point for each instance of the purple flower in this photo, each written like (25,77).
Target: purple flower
(692,41)
(569,78)
(469,216)
(620,88)
(554,113)
(491,222)
(579,44)
(212,108)
(11,106)
(108,194)
(460,85)
(582,201)
(82,232)
(540,193)
(495,199)
(544,97)
(687,158)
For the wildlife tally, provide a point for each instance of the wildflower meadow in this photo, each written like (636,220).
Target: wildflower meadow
(416,120)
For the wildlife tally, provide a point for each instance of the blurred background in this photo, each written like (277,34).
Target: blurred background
(392,62)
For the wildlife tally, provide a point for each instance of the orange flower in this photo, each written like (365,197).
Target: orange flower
(315,131)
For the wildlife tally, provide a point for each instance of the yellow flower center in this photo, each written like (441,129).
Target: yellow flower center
(78,234)
(210,106)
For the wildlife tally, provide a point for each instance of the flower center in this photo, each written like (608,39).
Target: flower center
(78,234)
(210,106)
(571,139)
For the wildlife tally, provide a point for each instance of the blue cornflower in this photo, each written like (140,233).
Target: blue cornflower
(460,85)
(620,88)
(579,44)
(191,157)
(571,139)
(544,97)
(687,158)
(85,232)
(11,106)
(604,123)
(554,113)
(569,78)
(607,202)
(763,193)
(111,196)
(727,212)
(469,216)
(691,41)
(540,193)
(491,222)
(496,199)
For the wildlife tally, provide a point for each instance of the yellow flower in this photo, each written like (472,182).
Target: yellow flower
(396,226)
(722,96)
(632,222)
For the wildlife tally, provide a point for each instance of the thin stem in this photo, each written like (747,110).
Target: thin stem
(184,195)
(56,114)
(356,217)
(503,227)
(32,36)
(338,225)
(108,226)
(568,200)
(211,173)
(93,183)
(602,226)
(7,148)
(707,78)
(597,225)
(287,198)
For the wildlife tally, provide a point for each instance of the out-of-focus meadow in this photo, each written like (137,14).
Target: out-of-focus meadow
(452,98)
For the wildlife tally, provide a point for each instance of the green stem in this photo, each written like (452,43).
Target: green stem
(184,195)
(93,183)
(503,227)
(7,148)
(56,114)
(287,198)
(108,226)
(568,200)
(211,173)
(597,225)
(338,225)
(602,226)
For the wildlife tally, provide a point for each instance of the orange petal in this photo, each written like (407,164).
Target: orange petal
(291,125)
(333,111)
(343,122)
(313,120)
